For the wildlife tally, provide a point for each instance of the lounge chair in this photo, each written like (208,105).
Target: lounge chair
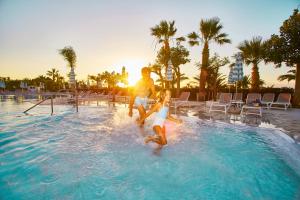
(181,101)
(284,99)
(251,108)
(101,96)
(224,102)
(268,99)
(201,95)
(237,99)
(120,97)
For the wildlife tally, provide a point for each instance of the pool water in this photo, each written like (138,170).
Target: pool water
(99,153)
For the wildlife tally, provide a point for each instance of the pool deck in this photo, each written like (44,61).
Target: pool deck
(286,120)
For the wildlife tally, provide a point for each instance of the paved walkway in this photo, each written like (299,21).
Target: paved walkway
(288,121)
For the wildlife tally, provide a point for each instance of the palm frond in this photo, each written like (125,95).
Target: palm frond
(194,43)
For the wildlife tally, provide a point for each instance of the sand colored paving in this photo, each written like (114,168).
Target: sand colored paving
(287,121)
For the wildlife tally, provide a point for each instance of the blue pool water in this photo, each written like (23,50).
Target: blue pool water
(99,153)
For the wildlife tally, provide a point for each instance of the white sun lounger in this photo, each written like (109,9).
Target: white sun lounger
(181,101)
(237,99)
(284,99)
(224,102)
(249,109)
(268,99)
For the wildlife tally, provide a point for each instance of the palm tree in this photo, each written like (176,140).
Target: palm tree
(164,32)
(70,56)
(216,80)
(178,78)
(210,30)
(290,76)
(98,79)
(244,83)
(179,56)
(156,68)
(53,74)
(253,53)
(60,81)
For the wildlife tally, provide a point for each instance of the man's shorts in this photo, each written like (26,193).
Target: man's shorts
(141,101)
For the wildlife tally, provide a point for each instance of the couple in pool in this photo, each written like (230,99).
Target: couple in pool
(139,98)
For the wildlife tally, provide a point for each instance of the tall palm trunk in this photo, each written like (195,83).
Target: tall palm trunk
(214,90)
(255,78)
(173,85)
(162,80)
(296,100)
(177,83)
(203,71)
(167,50)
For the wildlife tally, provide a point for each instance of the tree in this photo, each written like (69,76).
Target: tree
(124,76)
(215,80)
(111,79)
(210,30)
(69,55)
(157,68)
(261,83)
(98,78)
(178,77)
(53,73)
(291,75)
(244,83)
(60,80)
(253,52)
(164,32)
(179,56)
(285,48)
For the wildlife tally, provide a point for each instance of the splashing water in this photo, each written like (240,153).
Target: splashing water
(99,153)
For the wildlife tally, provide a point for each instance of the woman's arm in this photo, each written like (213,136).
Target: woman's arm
(173,119)
(152,88)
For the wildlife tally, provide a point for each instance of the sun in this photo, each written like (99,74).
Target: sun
(133,67)
(133,79)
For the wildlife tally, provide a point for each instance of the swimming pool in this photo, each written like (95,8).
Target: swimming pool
(99,153)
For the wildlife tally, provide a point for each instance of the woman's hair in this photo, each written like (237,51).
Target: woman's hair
(161,95)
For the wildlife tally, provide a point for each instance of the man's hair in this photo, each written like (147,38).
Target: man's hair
(145,69)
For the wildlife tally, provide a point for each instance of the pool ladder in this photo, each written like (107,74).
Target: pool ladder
(40,103)
(52,97)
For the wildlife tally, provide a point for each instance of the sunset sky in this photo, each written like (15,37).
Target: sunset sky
(109,34)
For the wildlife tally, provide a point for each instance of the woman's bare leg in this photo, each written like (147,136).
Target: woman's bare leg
(161,140)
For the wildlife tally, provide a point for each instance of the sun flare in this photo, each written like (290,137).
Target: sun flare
(133,67)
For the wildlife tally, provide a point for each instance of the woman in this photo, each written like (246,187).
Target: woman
(162,109)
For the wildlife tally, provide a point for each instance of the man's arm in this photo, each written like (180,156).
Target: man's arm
(152,88)
(153,109)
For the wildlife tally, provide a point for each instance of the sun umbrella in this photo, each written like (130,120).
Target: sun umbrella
(169,73)
(72,80)
(236,72)
(2,84)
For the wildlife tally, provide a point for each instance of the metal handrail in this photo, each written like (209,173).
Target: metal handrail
(40,103)
(51,97)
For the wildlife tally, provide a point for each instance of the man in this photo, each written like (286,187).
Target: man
(141,91)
